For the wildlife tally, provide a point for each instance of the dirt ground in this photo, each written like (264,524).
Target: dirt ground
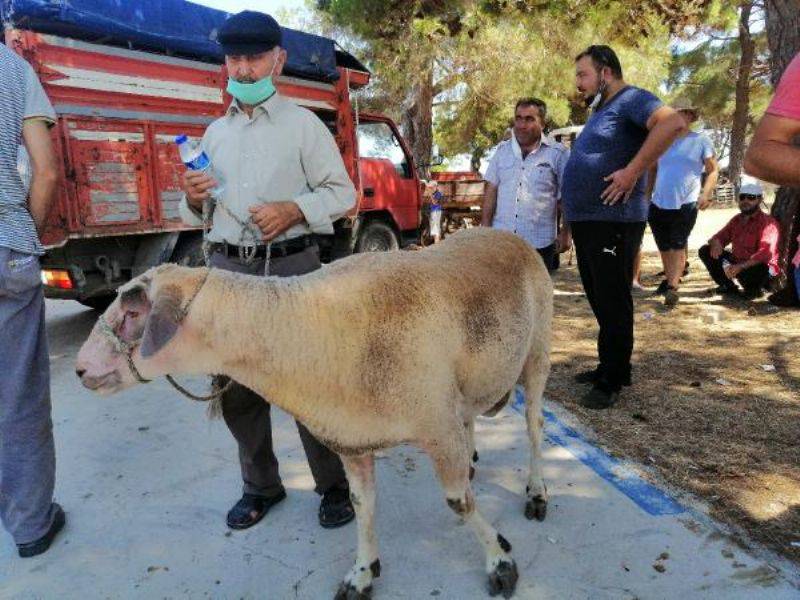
(715,404)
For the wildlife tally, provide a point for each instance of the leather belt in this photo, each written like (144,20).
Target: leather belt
(279,249)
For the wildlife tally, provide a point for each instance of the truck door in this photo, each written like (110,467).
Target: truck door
(110,165)
(388,177)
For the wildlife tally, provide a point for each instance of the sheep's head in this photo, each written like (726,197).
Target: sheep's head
(130,340)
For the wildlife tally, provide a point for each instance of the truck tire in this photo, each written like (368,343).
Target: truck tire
(377,236)
(189,252)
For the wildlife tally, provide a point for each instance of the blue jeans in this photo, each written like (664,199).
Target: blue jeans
(27,453)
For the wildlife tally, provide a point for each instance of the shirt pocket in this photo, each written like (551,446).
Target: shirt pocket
(19,273)
(544,181)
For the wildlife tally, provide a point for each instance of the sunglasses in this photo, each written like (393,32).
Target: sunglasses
(749,197)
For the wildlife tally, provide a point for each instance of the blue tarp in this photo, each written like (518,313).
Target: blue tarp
(172,27)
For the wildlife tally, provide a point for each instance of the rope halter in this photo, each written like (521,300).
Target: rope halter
(127,348)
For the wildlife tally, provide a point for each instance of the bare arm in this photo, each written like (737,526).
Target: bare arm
(36,137)
(712,175)
(772,155)
(665,125)
(489,203)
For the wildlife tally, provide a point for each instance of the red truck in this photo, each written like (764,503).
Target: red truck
(119,110)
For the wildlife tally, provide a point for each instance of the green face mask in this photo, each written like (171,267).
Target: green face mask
(251,93)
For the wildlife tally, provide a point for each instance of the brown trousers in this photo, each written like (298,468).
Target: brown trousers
(247,414)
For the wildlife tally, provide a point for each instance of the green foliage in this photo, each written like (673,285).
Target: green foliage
(512,57)
(706,75)
(485,54)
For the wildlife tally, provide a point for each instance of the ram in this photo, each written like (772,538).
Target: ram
(370,352)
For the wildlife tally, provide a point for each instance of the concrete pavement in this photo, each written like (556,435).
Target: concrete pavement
(146,481)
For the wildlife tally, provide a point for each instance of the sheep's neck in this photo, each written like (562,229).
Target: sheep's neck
(261,337)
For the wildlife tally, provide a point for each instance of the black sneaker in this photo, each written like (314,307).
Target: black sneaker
(336,508)
(43,543)
(671,296)
(599,398)
(726,290)
(753,293)
(595,375)
(662,288)
(592,376)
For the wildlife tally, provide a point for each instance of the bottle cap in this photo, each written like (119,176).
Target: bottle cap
(181,139)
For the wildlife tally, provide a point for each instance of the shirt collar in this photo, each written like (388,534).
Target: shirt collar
(755,217)
(515,147)
(269,107)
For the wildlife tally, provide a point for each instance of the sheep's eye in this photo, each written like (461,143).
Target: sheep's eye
(132,314)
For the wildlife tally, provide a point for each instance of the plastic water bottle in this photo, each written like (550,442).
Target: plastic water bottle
(197,160)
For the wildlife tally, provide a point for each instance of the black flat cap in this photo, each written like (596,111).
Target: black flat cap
(249,32)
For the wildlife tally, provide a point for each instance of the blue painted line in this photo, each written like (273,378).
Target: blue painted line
(648,497)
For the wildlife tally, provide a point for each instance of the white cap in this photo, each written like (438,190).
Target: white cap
(751,188)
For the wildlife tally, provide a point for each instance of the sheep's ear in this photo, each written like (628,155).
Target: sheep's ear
(134,299)
(163,320)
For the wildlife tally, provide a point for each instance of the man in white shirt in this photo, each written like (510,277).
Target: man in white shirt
(678,192)
(523,183)
(284,180)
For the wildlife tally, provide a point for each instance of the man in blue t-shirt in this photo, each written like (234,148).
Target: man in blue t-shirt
(677,194)
(605,205)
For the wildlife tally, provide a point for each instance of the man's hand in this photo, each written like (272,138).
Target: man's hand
(732,271)
(715,248)
(274,218)
(197,185)
(621,186)
(563,241)
(704,203)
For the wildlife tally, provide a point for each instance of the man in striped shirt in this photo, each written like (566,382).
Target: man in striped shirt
(27,454)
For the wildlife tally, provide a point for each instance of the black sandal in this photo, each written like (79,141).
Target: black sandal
(336,509)
(250,509)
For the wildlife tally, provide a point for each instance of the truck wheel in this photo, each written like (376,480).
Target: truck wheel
(98,303)
(189,252)
(377,236)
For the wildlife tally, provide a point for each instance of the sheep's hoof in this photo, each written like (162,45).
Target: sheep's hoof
(475,456)
(471,473)
(503,580)
(536,508)
(347,591)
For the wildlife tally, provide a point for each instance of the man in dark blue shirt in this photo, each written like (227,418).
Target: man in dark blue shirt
(605,205)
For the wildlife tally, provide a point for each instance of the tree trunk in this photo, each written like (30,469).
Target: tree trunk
(418,121)
(742,112)
(475,159)
(783,36)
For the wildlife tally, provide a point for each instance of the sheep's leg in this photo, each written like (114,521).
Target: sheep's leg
(469,427)
(451,461)
(534,379)
(357,584)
